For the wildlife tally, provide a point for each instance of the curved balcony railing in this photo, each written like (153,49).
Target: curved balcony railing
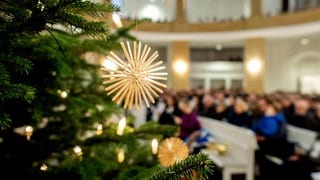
(217,15)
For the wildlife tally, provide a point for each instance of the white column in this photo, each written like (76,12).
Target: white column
(207,83)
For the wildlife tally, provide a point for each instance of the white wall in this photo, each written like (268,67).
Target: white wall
(287,60)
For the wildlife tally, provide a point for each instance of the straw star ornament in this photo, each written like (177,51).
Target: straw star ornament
(138,79)
(172,150)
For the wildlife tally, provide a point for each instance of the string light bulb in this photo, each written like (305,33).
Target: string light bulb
(77,150)
(154,146)
(43,167)
(99,129)
(120,155)
(121,126)
(28,132)
(63,94)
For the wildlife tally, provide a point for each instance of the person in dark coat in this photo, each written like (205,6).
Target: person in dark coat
(171,110)
(209,107)
(239,114)
(222,112)
(302,115)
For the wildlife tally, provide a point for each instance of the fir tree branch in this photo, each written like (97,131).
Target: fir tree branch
(20,64)
(153,128)
(89,8)
(16,91)
(76,77)
(5,76)
(201,164)
(84,26)
(4,121)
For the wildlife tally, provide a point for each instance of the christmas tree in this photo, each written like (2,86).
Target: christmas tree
(54,114)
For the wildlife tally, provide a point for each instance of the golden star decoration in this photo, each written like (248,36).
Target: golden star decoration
(172,150)
(137,80)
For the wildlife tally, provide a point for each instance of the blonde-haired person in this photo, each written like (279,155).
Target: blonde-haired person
(239,114)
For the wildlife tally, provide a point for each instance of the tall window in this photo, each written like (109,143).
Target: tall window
(202,11)
(155,10)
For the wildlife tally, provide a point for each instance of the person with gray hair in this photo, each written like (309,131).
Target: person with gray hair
(239,114)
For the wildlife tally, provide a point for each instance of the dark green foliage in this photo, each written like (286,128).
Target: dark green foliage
(152,129)
(42,43)
(199,164)
(25,43)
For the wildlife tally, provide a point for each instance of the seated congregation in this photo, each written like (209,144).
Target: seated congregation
(267,116)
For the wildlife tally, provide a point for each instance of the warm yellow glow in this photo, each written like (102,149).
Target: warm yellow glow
(29,131)
(109,65)
(121,155)
(99,129)
(77,150)
(219,47)
(254,66)
(121,126)
(180,67)
(43,167)
(117,20)
(64,94)
(154,145)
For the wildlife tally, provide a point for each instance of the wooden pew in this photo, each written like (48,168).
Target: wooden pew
(303,137)
(241,143)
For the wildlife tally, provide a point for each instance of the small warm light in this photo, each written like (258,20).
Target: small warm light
(63,94)
(117,20)
(77,150)
(219,47)
(109,65)
(99,129)
(43,167)
(154,146)
(121,155)
(121,126)
(180,67)
(254,66)
(29,131)
(40,5)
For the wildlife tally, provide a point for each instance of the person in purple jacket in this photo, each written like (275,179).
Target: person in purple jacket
(188,122)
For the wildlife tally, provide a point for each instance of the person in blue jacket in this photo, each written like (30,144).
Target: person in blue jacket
(270,125)
(276,156)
